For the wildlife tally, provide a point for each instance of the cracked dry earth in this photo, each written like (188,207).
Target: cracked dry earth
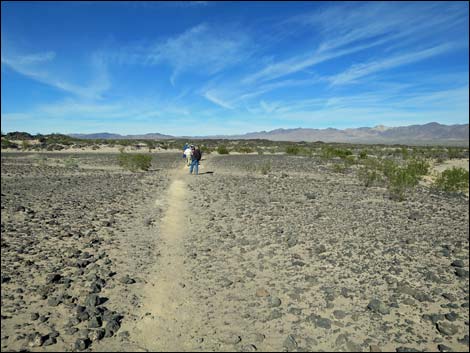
(300,259)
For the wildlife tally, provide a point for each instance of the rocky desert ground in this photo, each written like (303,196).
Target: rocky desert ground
(297,258)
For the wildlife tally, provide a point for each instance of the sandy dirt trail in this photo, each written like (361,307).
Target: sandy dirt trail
(170,315)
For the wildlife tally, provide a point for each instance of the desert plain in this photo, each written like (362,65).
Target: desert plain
(297,257)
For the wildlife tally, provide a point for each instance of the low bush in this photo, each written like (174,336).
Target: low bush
(222,150)
(134,162)
(293,150)
(8,144)
(71,163)
(265,168)
(454,179)
(368,176)
(398,178)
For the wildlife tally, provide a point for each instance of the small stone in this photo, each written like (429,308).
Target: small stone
(464,340)
(377,306)
(225,282)
(92,300)
(323,323)
(460,272)
(446,328)
(341,340)
(248,348)
(290,343)
(275,314)
(444,348)
(50,341)
(96,335)
(37,340)
(261,292)
(291,242)
(374,348)
(82,344)
(274,302)
(452,316)
(95,322)
(34,316)
(458,263)
(449,296)
(127,280)
(230,338)
(5,279)
(407,349)
(71,330)
(53,301)
(339,314)
(53,278)
(112,327)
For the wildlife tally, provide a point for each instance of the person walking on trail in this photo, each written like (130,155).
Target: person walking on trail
(186,145)
(187,154)
(195,158)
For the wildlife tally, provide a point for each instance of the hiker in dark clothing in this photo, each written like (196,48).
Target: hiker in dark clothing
(195,158)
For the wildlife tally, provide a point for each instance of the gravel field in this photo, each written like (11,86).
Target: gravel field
(257,253)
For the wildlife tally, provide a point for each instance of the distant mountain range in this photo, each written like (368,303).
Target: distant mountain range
(107,135)
(431,133)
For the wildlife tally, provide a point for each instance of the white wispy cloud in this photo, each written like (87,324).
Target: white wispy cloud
(350,28)
(35,67)
(209,95)
(200,49)
(360,70)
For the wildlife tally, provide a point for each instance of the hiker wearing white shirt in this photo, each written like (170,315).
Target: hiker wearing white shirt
(187,153)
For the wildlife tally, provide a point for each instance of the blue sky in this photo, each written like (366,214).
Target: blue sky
(203,68)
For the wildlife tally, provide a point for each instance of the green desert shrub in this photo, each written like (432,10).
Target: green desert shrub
(454,179)
(25,145)
(401,181)
(222,149)
(134,162)
(369,176)
(363,155)
(293,150)
(206,149)
(398,178)
(8,144)
(244,149)
(329,152)
(71,163)
(265,168)
(339,168)
(418,167)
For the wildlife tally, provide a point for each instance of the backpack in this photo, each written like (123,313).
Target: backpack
(197,155)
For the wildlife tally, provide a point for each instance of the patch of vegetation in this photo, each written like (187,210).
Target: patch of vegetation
(398,178)
(452,180)
(369,177)
(71,163)
(25,145)
(222,150)
(339,168)
(19,136)
(293,150)
(134,162)
(265,168)
(206,149)
(244,149)
(8,144)
(329,152)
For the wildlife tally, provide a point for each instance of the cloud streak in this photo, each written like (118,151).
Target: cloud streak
(33,66)
(360,70)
